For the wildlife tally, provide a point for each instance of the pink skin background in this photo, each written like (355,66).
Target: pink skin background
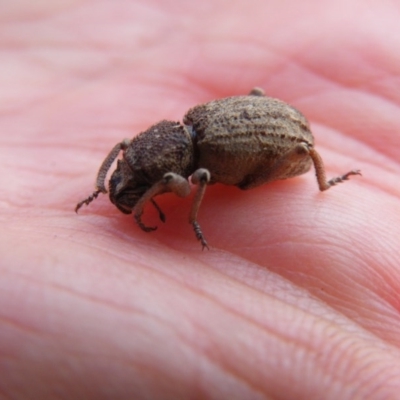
(299,295)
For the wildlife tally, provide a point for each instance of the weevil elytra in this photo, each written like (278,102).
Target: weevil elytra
(244,141)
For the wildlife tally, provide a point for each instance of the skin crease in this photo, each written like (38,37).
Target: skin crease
(299,295)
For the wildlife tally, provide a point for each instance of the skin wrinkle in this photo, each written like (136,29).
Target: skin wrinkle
(117,254)
(82,357)
(158,272)
(335,360)
(386,189)
(226,366)
(209,298)
(231,367)
(14,323)
(80,354)
(364,287)
(330,293)
(367,140)
(223,365)
(153,316)
(383,104)
(344,307)
(384,99)
(69,290)
(290,60)
(364,314)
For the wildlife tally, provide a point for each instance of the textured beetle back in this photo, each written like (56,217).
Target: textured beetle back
(248,116)
(238,135)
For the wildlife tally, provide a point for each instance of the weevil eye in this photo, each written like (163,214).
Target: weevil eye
(123,190)
(118,180)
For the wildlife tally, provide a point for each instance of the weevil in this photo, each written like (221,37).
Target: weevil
(244,141)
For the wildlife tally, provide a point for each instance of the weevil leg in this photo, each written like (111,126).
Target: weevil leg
(323,183)
(161,215)
(283,168)
(256,91)
(102,173)
(201,178)
(88,200)
(106,164)
(170,182)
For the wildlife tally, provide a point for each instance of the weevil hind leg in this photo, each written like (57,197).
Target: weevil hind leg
(201,178)
(323,183)
(170,182)
(300,156)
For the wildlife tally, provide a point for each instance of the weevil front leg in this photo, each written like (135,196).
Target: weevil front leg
(102,173)
(201,178)
(170,182)
(161,215)
(88,200)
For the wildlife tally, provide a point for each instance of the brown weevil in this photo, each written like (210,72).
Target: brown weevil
(244,141)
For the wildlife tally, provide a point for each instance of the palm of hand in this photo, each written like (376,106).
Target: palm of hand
(299,296)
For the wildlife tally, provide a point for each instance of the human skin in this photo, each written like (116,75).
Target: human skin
(299,294)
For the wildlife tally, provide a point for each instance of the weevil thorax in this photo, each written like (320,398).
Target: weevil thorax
(165,147)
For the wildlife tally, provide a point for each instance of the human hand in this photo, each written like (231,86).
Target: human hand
(298,296)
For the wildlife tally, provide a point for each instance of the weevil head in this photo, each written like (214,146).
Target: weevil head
(124,190)
(165,147)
